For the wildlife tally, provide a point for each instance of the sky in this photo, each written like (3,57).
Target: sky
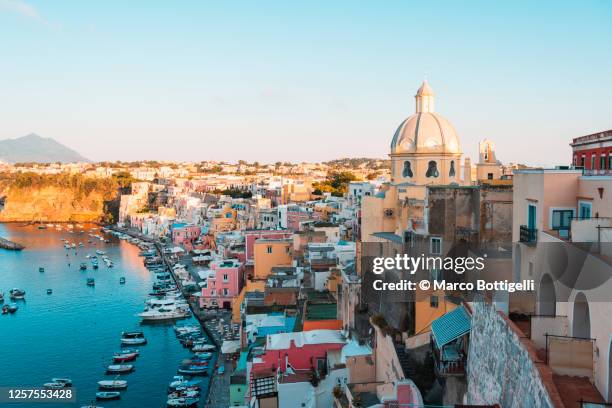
(282,81)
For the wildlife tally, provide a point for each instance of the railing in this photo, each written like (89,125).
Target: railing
(528,235)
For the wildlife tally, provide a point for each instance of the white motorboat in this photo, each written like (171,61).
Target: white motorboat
(133,338)
(54,385)
(17,293)
(112,384)
(119,368)
(164,313)
(181,381)
(203,347)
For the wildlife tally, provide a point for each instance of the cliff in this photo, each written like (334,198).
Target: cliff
(59,198)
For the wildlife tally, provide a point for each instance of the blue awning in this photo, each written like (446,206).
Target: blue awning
(451,326)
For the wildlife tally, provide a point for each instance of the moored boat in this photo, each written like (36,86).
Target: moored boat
(122,280)
(133,338)
(54,385)
(193,370)
(180,381)
(17,293)
(91,282)
(203,347)
(112,384)
(108,395)
(119,368)
(83,266)
(182,402)
(41,269)
(121,357)
(66,381)
(49,291)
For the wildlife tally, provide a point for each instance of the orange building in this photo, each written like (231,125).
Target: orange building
(269,253)
(321,316)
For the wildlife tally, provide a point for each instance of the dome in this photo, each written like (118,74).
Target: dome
(425,131)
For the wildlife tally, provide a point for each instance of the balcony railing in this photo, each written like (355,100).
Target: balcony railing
(528,235)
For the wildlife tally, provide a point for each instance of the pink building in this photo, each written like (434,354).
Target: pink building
(301,350)
(297,215)
(185,235)
(222,285)
(250,236)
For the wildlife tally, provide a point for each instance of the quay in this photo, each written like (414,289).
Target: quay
(10,245)
(217,394)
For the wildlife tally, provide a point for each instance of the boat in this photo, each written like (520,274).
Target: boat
(180,381)
(1,297)
(129,351)
(108,395)
(83,266)
(112,384)
(49,291)
(133,338)
(190,369)
(100,252)
(205,355)
(203,347)
(164,313)
(123,356)
(95,266)
(184,394)
(91,282)
(66,381)
(5,309)
(91,406)
(41,269)
(119,368)
(183,402)
(122,280)
(16,293)
(12,308)
(54,385)
(221,370)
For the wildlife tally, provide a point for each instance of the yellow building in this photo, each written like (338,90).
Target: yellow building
(269,253)
(251,286)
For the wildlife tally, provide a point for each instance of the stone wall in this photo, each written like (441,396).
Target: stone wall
(502,365)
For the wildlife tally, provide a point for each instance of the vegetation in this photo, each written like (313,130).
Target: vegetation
(234,193)
(359,162)
(336,183)
(82,185)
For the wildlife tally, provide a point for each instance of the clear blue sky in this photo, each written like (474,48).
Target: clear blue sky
(268,81)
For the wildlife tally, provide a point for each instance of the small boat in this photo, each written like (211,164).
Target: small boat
(119,368)
(83,266)
(133,338)
(108,395)
(129,351)
(5,309)
(100,252)
(16,293)
(205,355)
(49,291)
(180,381)
(41,269)
(112,384)
(203,347)
(122,280)
(91,282)
(91,406)
(95,266)
(184,394)
(12,308)
(122,356)
(54,385)
(66,381)
(183,402)
(193,370)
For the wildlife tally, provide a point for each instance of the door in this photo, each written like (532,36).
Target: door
(531,217)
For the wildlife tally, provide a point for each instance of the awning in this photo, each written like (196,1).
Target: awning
(451,326)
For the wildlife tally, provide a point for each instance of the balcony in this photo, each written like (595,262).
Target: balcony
(528,235)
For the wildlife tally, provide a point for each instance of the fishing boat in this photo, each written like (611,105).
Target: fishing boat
(41,269)
(112,384)
(83,266)
(66,381)
(183,402)
(119,368)
(108,395)
(16,293)
(122,357)
(133,338)
(91,282)
(12,308)
(122,280)
(184,394)
(49,291)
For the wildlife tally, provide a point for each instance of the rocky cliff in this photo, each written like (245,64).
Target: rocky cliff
(58,199)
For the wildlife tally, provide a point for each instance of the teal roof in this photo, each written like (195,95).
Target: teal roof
(451,326)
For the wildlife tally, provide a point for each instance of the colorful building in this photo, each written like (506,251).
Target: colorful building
(269,253)
(222,285)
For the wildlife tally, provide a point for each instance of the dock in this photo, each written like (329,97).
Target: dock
(10,245)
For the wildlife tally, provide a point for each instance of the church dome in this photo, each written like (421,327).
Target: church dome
(425,131)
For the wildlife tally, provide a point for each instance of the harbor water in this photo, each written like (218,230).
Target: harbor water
(74,331)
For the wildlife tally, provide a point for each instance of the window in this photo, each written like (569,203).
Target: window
(592,161)
(531,216)
(575,161)
(433,301)
(432,169)
(407,172)
(436,275)
(561,219)
(451,172)
(435,245)
(602,162)
(269,249)
(584,210)
(388,212)
(225,278)
(582,159)
(490,176)
(225,292)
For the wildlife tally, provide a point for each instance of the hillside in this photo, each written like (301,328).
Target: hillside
(34,148)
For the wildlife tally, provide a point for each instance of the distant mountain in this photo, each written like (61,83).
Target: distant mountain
(34,148)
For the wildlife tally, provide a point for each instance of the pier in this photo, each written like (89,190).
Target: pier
(10,245)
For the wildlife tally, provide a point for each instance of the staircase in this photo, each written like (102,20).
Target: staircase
(402,356)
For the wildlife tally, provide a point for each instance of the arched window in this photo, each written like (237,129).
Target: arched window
(581,326)
(407,172)
(451,172)
(432,169)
